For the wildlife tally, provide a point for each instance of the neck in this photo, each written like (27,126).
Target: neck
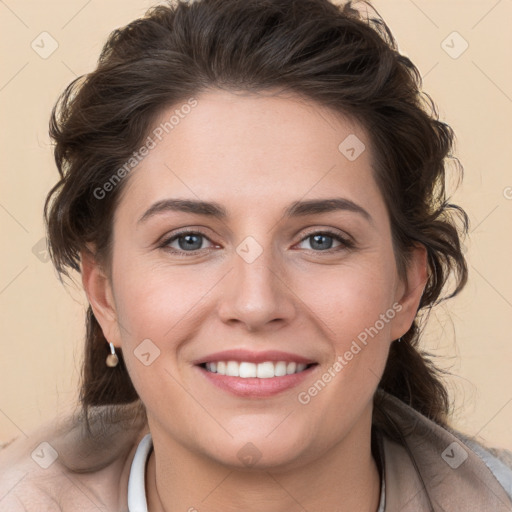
(344,479)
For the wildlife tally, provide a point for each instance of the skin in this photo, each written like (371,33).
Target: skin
(255,154)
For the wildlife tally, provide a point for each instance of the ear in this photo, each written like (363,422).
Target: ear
(98,289)
(410,291)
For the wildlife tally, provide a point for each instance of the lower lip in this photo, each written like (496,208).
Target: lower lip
(254,387)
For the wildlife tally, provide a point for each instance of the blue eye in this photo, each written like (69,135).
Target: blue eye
(190,242)
(322,240)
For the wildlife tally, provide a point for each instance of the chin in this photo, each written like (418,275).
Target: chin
(261,452)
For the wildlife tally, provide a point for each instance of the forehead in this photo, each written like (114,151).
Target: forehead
(252,148)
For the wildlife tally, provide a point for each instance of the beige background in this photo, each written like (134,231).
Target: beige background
(43,322)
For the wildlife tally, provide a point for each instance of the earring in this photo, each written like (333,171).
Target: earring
(112,358)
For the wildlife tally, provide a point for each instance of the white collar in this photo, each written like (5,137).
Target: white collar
(136,486)
(137,489)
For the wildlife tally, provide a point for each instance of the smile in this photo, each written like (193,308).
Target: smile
(254,374)
(246,369)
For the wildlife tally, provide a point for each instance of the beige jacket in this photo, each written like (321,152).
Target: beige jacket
(453,471)
(428,468)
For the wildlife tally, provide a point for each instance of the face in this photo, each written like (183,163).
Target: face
(288,280)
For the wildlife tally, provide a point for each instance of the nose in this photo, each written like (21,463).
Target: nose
(257,294)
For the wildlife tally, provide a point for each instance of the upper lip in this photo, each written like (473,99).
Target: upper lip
(250,356)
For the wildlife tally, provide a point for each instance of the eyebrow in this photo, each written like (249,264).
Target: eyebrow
(217,211)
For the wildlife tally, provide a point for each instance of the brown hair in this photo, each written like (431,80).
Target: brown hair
(330,54)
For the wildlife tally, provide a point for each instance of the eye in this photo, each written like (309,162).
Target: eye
(322,241)
(186,241)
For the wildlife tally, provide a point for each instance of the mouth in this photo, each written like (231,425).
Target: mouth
(255,375)
(248,370)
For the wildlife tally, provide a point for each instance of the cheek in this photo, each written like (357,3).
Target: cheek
(350,299)
(159,309)
(356,310)
(155,301)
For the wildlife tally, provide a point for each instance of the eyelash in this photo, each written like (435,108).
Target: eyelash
(346,243)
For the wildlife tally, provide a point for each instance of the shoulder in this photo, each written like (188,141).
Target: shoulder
(429,463)
(61,468)
(32,477)
(498,460)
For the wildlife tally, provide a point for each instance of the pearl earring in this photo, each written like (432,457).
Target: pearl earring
(112,358)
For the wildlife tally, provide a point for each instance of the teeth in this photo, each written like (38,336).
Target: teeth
(280,369)
(232,369)
(291,368)
(265,370)
(246,370)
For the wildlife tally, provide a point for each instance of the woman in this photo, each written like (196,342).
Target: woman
(248,358)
